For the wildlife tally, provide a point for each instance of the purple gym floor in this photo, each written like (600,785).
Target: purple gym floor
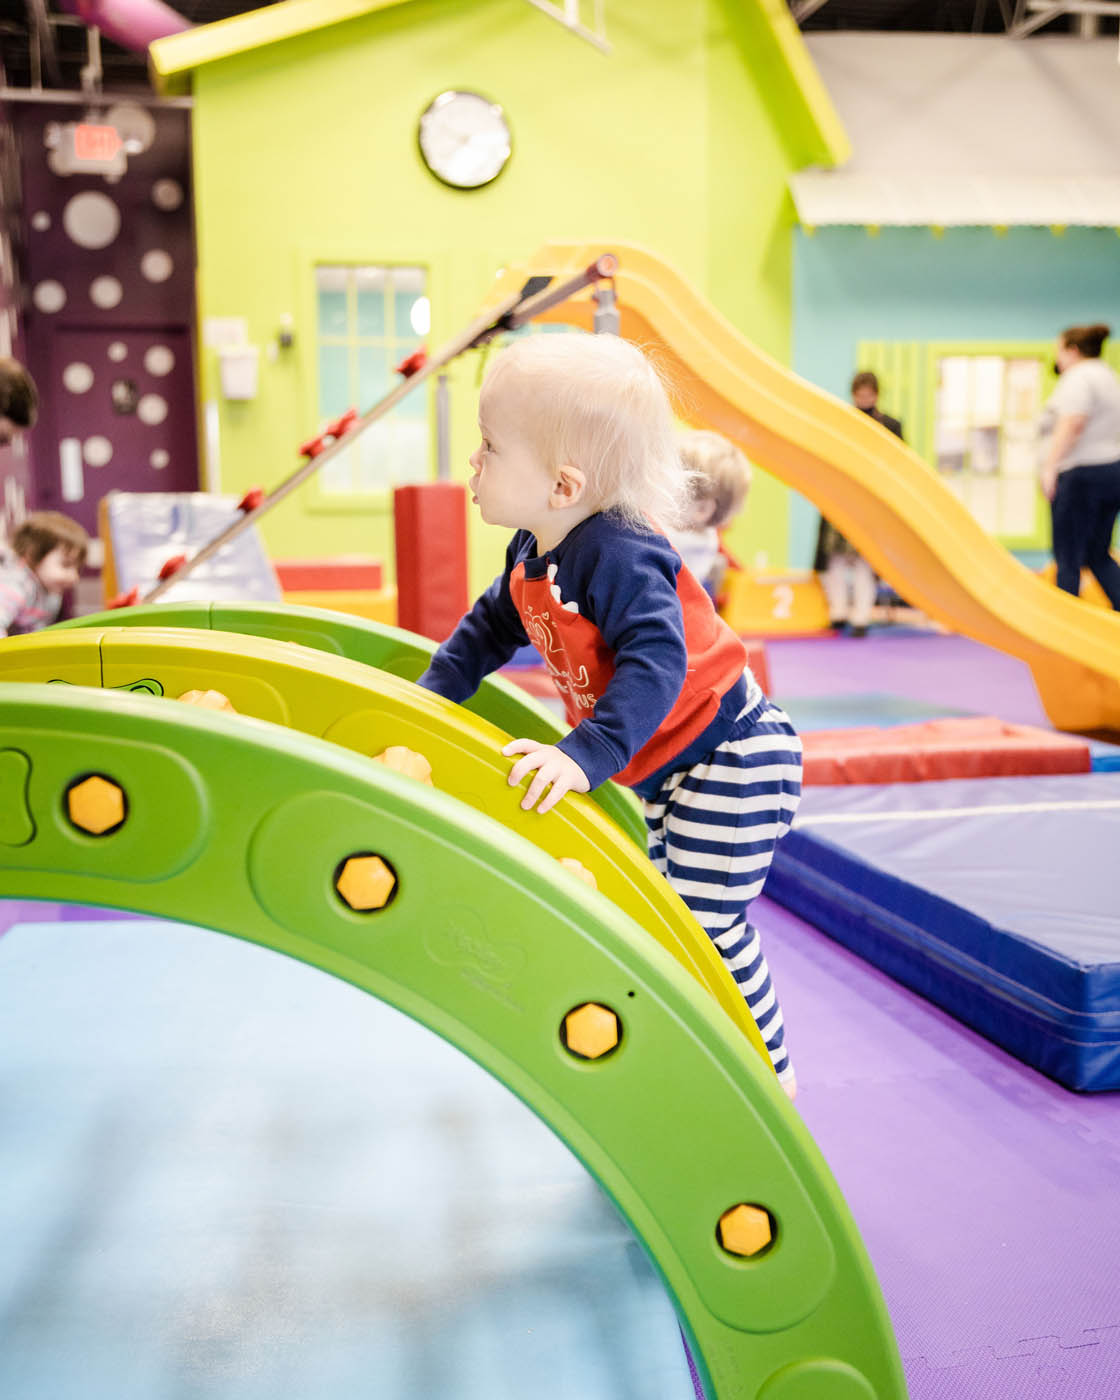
(988,1197)
(938,673)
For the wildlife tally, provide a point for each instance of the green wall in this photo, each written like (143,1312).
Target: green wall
(305,151)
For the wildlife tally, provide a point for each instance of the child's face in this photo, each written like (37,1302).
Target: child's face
(511,484)
(58,570)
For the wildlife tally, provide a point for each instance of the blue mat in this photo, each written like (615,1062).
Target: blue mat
(997,899)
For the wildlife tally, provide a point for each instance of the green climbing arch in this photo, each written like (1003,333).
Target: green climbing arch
(390,649)
(248,828)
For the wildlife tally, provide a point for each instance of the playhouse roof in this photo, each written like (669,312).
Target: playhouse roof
(808,114)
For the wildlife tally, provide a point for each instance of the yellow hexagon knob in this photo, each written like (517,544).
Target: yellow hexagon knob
(365,882)
(579,870)
(591,1030)
(406,761)
(745,1229)
(96,805)
(207,700)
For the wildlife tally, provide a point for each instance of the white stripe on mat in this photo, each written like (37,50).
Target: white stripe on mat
(927,815)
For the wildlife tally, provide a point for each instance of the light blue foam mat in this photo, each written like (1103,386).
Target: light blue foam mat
(227,1176)
(810,712)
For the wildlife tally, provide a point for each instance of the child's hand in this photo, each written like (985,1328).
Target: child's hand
(552,765)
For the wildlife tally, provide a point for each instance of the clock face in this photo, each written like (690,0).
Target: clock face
(464,139)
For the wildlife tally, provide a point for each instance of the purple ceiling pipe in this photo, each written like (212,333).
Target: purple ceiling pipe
(134,24)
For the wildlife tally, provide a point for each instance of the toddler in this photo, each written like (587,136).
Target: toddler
(579,457)
(720,477)
(42,562)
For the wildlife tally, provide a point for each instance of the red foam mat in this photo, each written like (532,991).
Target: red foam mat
(983,747)
(340,573)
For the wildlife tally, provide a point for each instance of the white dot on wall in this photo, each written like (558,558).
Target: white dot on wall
(421,315)
(105,292)
(156,266)
(118,351)
(159,459)
(152,409)
(78,377)
(167,194)
(40,221)
(49,296)
(135,126)
(159,360)
(97,451)
(91,219)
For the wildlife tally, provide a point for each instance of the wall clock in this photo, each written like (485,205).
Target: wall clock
(464,139)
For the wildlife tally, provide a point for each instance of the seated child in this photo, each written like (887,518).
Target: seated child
(579,457)
(41,563)
(720,480)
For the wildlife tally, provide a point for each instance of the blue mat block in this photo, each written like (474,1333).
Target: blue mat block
(1104,758)
(996,899)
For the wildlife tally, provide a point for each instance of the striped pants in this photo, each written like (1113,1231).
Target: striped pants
(712,833)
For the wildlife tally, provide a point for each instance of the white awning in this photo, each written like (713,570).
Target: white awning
(976,129)
(945,201)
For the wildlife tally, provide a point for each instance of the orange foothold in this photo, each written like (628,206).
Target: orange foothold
(591,1030)
(745,1230)
(406,761)
(579,870)
(365,882)
(207,699)
(96,805)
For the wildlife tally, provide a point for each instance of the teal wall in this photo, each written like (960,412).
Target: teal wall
(913,284)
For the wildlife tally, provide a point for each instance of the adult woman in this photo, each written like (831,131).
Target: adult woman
(1081,474)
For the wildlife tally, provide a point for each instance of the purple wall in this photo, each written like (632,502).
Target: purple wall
(108,315)
(15,461)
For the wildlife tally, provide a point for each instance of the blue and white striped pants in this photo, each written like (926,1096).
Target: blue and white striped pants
(712,833)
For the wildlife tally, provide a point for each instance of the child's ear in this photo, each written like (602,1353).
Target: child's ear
(568,487)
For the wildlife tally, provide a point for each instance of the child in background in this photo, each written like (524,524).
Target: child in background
(720,477)
(19,400)
(42,562)
(579,456)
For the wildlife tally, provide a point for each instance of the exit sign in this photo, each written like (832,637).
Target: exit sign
(96,143)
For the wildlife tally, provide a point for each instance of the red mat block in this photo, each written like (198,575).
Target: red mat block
(983,747)
(430,528)
(344,572)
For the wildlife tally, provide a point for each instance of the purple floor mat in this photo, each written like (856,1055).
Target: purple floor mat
(936,670)
(988,1197)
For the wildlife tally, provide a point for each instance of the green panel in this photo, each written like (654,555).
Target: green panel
(907,373)
(676,139)
(491,945)
(390,649)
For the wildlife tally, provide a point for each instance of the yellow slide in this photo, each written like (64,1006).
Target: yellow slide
(880,493)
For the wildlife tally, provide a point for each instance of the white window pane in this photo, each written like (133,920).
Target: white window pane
(331,279)
(412,280)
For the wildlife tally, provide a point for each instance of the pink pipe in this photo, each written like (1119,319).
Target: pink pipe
(134,24)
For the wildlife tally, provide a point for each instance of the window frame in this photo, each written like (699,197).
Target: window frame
(378,502)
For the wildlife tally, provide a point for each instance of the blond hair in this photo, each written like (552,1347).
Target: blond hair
(718,472)
(602,407)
